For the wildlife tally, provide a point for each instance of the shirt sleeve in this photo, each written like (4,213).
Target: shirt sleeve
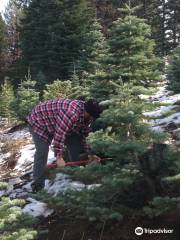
(65,122)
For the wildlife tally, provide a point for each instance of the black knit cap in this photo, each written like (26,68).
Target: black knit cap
(92,107)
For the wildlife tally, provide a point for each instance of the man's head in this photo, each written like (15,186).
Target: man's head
(92,110)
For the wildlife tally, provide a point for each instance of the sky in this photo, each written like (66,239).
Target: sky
(3,4)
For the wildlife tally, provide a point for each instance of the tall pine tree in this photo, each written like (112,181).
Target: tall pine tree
(173,71)
(173,23)
(13,14)
(94,48)
(130,56)
(2,48)
(51,36)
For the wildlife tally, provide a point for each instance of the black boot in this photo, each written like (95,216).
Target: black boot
(36,187)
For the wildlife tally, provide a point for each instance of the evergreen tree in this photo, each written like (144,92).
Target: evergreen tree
(81,86)
(107,12)
(2,48)
(26,98)
(2,34)
(131,51)
(51,36)
(173,23)
(14,225)
(155,12)
(58,89)
(126,135)
(12,15)
(94,48)
(41,81)
(173,71)
(6,99)
(161,15)
(101,88)
(130,56)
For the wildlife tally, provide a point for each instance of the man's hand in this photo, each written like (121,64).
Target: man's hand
(60,162)
(94,158)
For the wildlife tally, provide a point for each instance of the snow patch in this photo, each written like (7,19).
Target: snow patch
(21,134)
(27,157)
(170,99)
(37,208)
(174,118)
(160,111)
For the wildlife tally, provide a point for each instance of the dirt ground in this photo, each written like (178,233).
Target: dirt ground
(61,228)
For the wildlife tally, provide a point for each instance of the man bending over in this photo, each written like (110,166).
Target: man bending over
(65,122)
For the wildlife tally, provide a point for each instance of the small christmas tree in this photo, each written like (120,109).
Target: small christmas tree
(126,134)
(58,89)
(130,56)
(80,86)
(27,98)
(6,99)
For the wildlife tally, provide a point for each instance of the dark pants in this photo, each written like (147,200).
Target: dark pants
(74,148)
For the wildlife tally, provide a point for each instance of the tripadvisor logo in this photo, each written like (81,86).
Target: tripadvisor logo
(139,231)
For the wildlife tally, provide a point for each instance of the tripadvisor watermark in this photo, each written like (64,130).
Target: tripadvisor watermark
(139,231)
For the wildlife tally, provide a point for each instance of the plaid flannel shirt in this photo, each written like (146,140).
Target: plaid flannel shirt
(56,119)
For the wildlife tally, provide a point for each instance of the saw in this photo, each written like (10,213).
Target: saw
(77,163)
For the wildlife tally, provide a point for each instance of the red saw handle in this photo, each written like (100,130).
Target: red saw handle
(78,163)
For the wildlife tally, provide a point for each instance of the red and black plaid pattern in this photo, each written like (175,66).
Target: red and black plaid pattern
(55,119)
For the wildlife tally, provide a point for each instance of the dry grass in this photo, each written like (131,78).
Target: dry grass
(13,148)
(12,145)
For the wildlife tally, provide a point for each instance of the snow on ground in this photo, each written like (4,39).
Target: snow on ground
(62,185)
(164,96)
(166,99)
(37,208)
(24,133)
(174,118)
(161,93)
(160,111)
(26,157)
(157,129)
(21,134)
